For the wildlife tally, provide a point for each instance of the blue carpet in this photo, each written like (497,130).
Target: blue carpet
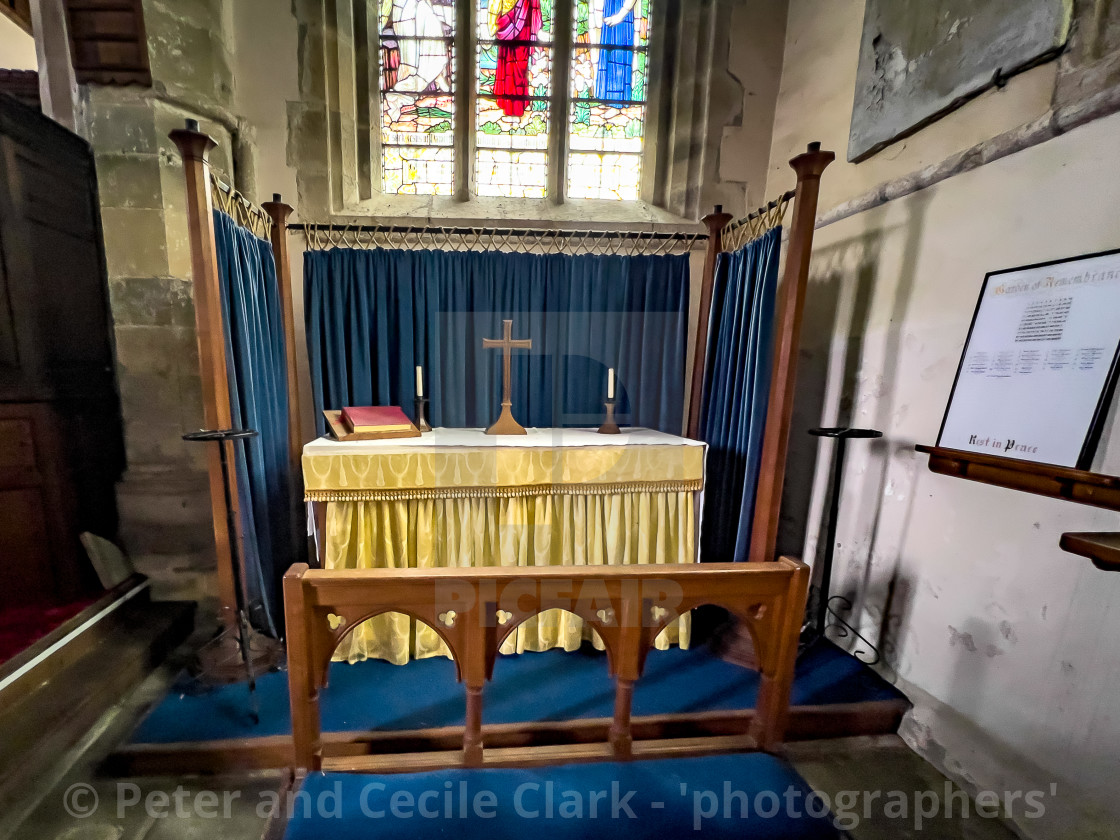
(531,687)
(642,799)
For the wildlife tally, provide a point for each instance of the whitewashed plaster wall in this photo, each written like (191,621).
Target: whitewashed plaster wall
(17,47)
(818,88)
(963,584)
(1003,641)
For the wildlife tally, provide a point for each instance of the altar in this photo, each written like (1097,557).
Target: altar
(459,497)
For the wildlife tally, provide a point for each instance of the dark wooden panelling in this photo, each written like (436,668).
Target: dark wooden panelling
(25,573)
(108,41)
(23,85)
(61,441)
(19,11)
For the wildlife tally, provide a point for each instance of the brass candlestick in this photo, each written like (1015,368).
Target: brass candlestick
(609,427)
(422,414)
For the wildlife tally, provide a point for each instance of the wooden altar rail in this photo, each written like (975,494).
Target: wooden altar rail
(475,609)
(195,147)
(787,337)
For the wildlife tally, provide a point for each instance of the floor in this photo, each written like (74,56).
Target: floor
(231,807)
(548,686)
(80,804)
(859,777)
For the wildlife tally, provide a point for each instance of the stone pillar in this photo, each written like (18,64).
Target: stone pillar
(163,497)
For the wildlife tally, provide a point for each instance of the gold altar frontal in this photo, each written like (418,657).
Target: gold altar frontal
(457,497)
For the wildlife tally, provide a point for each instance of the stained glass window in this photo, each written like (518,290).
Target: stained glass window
(417,64)
(601,97)
(514,87)
(609,78)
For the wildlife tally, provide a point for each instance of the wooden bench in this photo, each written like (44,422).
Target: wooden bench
(475,609)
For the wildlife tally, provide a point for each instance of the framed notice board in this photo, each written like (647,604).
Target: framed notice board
(1040,363)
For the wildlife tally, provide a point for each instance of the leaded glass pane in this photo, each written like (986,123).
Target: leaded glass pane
(514,174)
(415,170)
(607,175)
(417,61)
(514,89)
(609,78)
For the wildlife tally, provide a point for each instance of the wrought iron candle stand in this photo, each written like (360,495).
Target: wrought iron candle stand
(821,608)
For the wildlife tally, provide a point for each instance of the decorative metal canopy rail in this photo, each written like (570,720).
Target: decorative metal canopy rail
(761,221)
(239,208)
(524,240)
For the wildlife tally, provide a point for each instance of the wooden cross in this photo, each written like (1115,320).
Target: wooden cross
(505,424)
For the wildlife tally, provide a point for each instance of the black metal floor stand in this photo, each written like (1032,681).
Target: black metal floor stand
(820,609)
(216,660)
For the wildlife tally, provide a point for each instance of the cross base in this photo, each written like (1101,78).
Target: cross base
(505,424)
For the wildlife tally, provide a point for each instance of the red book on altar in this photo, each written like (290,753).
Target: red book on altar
(370,422)
(375,418)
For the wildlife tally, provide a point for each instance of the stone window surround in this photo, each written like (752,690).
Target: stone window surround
(336,142)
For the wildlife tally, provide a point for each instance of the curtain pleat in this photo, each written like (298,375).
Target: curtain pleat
(373,315)
(256,366)
(736,393)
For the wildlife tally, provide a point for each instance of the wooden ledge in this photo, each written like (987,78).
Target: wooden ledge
(1102,548)
(806,723)
(1087,488)
(538,756)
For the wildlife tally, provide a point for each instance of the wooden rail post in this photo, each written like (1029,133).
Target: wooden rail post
(279,212)
(302,686)
(791,308)
(631,638)
(772,713)
(715,221)
(195,147)
(477,638)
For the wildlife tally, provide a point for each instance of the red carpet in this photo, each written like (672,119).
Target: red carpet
(21,627)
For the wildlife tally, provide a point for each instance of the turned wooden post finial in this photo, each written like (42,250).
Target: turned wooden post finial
(715,221)
(193,143)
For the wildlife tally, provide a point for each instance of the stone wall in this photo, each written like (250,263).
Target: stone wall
(164,497)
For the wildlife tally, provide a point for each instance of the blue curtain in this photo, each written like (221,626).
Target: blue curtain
(256,364)
(372,316)
(736,393)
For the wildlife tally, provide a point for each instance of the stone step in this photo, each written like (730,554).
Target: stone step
(49,702)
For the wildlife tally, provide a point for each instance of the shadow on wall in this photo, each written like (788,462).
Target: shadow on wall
(849,375)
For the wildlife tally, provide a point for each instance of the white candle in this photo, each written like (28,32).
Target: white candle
(419,381)
(610,384)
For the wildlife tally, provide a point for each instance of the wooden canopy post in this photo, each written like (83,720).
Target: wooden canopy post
(195,146)
(715,221)
(791,308)
(279,212)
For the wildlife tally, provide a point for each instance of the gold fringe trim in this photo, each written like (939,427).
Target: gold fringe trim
(690,486)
